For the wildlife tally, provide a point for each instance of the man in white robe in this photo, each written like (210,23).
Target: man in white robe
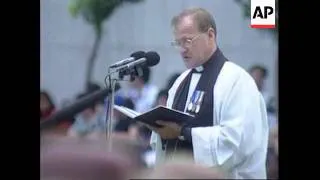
(238,137)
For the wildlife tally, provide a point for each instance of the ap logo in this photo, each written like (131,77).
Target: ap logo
(263,14)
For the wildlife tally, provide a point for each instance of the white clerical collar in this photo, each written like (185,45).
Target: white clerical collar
(199,69)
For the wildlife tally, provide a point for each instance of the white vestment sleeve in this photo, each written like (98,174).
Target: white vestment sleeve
(239,127)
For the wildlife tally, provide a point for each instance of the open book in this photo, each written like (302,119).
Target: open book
(158,113)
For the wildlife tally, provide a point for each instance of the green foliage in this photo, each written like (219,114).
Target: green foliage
(95,11)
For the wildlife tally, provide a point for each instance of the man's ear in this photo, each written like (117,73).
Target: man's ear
(211,33)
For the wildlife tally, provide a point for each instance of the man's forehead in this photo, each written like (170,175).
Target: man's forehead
(185,26)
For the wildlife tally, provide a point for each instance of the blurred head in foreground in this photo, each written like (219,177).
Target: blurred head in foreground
(84,159)
(182,167)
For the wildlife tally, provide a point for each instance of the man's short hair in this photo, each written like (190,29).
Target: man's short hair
(201,17)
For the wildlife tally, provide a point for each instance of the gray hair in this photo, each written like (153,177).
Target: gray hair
(201,17)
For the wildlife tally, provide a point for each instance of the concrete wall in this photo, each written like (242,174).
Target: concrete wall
(66,42)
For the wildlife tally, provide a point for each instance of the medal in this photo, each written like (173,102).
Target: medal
(190,106)
(199,102)
(195,100)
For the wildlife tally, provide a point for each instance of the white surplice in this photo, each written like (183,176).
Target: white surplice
(239,138)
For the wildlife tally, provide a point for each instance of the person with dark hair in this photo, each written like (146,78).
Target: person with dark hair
(88,123)
(142,92)
(47,107)
(122,122)
(162,98)
(172,79)
(91,88)
(259,74)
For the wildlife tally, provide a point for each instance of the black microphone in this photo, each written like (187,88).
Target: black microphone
(77,107)
(134,56)
(151,59)
(135,68)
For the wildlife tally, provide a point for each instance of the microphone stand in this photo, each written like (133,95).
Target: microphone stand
(110,103)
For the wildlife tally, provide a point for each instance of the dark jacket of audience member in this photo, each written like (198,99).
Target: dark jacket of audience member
(123,122)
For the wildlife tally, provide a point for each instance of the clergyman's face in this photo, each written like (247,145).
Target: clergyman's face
(193,44)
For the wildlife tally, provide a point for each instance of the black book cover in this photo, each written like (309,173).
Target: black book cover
(158,113)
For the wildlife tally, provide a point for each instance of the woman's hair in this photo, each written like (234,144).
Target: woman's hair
(48,97)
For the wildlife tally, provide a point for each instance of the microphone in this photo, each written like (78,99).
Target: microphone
(76,107)
(151,59)
(133,56)
(135,68)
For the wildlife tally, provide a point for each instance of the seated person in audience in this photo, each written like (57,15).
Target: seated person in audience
(122,123)
(47,108)
(93,87)
(64,104)
(89,123)
(141,91)
(172,79)
(260,73)
(162,98)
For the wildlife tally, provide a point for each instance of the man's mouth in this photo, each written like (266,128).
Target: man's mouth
(186,57)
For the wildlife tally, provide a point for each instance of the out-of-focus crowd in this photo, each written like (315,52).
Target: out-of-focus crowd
(131,152)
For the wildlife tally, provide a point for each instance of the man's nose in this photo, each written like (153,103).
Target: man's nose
(182,49)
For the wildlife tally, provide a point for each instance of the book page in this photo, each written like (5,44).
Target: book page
(131,111)
(126,111)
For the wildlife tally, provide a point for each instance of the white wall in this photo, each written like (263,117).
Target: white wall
(66,42)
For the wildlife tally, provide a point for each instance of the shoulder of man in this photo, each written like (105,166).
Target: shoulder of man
(232,73)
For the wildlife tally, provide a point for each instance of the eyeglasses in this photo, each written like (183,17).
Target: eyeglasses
(187,43)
